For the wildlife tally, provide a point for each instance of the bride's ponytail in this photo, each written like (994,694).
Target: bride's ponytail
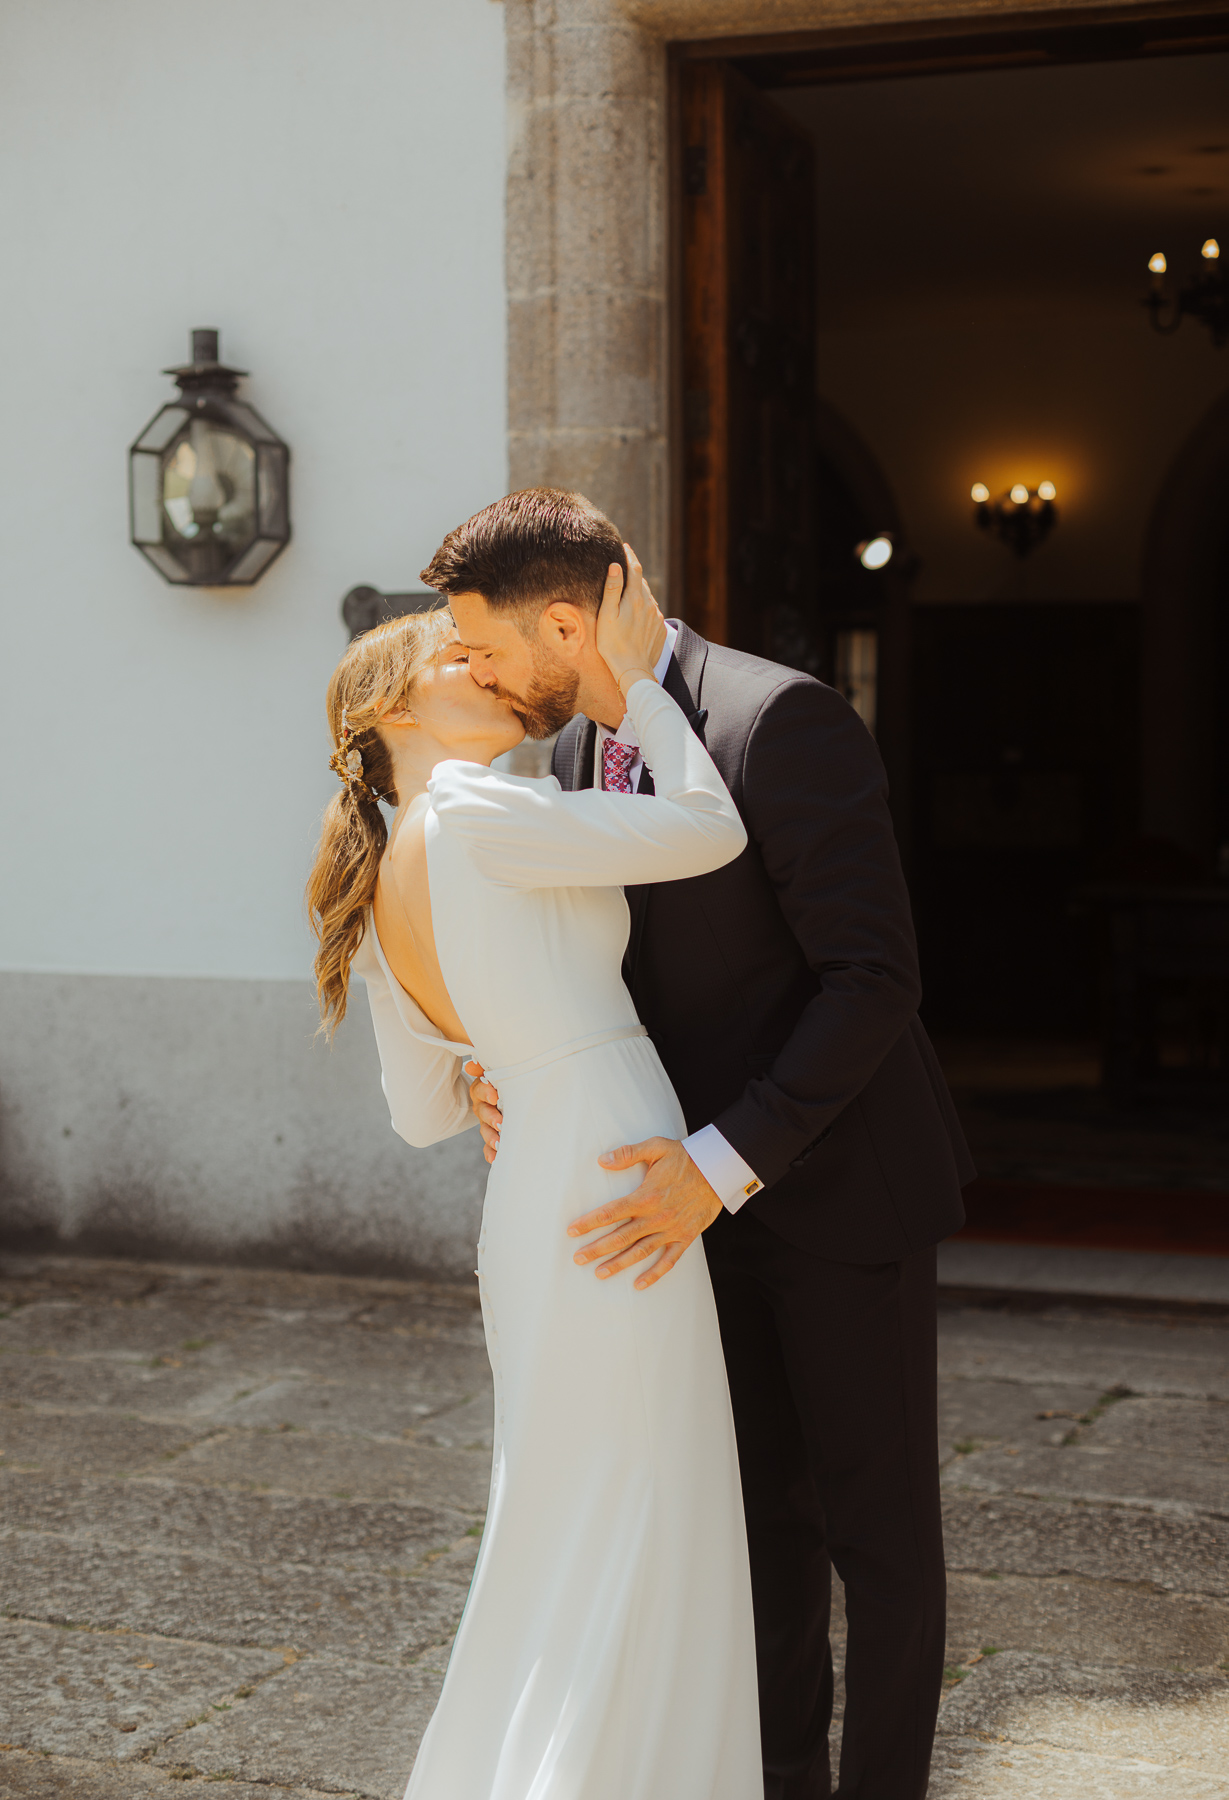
(375,676)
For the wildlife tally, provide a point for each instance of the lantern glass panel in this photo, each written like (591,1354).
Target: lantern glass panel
(274,509)
(258,558)
(209,488)
(146,498)
(162,428)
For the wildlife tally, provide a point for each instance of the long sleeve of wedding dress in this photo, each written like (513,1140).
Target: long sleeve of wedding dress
(530,834)
(421,1072)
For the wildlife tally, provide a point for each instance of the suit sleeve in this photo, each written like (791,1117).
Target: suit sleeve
(815,804)
(529,834)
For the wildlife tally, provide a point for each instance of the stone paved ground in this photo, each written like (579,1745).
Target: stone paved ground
(240,1511)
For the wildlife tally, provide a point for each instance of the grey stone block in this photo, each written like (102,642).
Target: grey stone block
(26,1775)
(1138,1355)
(1017,1536)
(1198,1429)
(220,1524)
(84,1443)
(1088,1621)
(383,1616)
(295,1462)
(963,1769)
(1130,1477)
(81,1693)
(1165,1718)
(1009,1411)
(326,1723)
(150,1386)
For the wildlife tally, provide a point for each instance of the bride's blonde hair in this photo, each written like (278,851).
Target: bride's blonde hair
(377,675)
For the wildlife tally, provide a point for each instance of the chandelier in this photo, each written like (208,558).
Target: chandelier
(1205,297)
(1021,518)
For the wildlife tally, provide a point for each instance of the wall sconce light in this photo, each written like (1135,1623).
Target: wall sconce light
(876,552)
(366,607)
(1020,518)
(1205,297)
(209,480)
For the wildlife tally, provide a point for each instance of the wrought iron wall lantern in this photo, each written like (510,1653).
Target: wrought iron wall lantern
(1205,297)
(209,480)
(1021,518)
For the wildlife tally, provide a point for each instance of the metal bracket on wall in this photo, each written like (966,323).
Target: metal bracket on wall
(364,607)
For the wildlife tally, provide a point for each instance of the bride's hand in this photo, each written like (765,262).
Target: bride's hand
(631,632)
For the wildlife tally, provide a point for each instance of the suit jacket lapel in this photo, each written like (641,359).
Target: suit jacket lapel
(693,654)
(586,750)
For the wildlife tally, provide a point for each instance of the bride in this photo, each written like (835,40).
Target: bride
(606,1651)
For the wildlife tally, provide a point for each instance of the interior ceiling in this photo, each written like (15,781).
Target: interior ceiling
(1017,181)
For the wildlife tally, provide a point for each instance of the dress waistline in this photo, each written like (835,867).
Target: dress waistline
(511,1070)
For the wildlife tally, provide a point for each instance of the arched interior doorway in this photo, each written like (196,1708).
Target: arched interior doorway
(1185,638)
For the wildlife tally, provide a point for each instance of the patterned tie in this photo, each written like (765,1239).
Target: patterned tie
(617,760)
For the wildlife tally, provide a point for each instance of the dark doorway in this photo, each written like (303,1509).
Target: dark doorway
(986,203)
(1026,741)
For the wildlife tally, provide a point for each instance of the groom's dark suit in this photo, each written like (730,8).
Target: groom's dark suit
(781,992)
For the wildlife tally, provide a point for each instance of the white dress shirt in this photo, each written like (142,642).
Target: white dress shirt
(731,1179)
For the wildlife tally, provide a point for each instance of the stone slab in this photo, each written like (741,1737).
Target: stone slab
(1140,1356)
(28,1776)
(1198,1429)
(1009,1411)
(384,1617)
(963,1769)
(324,1723)
(154,1387)
(85,1443)
(1088,1621)
(84,1693)
(1154,1715)
(1108,1274)
(381,1408)
(345,1468)
(1128,1477)
(219,1523)
(1018,1536)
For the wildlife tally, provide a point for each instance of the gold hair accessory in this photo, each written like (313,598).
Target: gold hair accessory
(347,760)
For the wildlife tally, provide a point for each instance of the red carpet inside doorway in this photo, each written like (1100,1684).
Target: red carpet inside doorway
(1186,1221)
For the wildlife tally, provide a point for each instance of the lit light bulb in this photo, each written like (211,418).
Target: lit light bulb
(1019,494)
(1211,250)
(876,552)
(1157,263)
(980,492)
(1046,491)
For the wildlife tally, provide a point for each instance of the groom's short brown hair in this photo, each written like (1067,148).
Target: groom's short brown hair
(529,548)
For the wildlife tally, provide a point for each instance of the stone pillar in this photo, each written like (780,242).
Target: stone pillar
(586,262)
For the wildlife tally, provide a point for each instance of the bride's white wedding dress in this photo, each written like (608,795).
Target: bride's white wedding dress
(606,1651)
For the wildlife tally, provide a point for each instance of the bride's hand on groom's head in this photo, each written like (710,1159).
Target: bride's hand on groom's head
(485,1101)
(630,628)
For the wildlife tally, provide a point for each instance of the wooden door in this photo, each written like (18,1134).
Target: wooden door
(748,321)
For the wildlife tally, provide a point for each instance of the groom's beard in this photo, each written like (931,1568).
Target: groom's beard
(550,701)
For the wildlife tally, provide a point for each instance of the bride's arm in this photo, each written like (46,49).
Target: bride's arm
(531,834)
(427,1094)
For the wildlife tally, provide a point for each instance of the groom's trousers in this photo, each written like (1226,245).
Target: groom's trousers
(833,1382)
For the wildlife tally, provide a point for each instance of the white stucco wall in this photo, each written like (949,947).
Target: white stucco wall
(323,182)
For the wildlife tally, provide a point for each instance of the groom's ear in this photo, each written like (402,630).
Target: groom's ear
(565,629)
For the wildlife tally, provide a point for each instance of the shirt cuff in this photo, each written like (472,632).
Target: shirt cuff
(722,1167)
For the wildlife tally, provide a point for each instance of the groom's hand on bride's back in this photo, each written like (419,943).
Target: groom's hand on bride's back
(668,1211)
(485,1101)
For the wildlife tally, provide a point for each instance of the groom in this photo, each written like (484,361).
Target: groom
(824,1160)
